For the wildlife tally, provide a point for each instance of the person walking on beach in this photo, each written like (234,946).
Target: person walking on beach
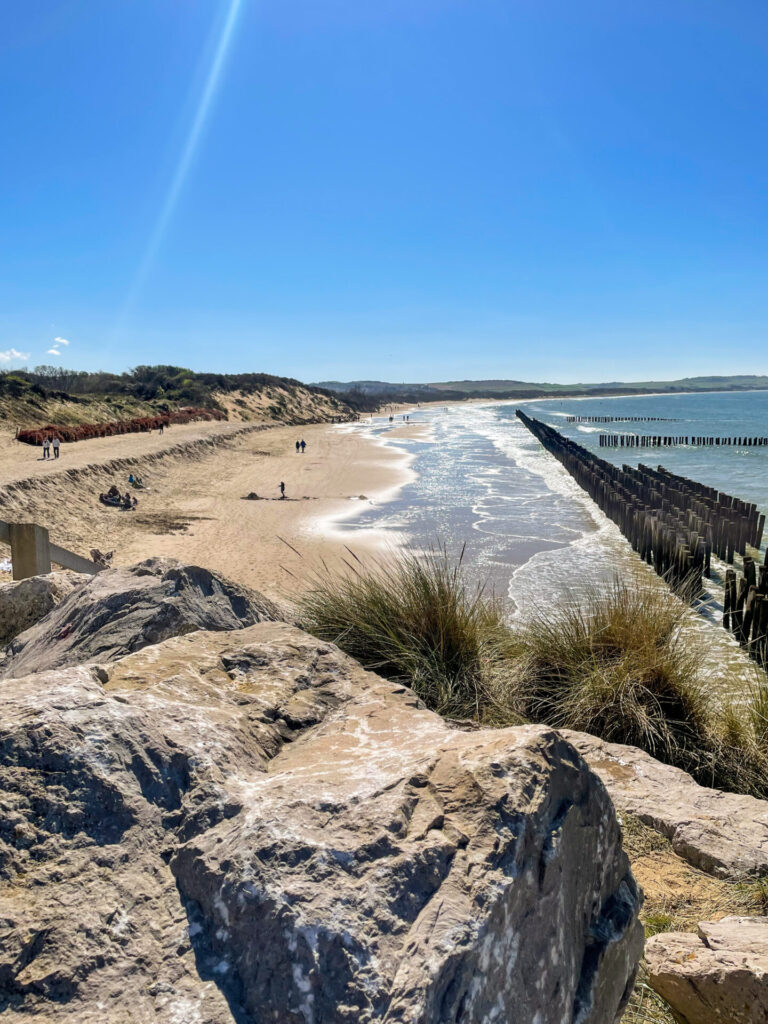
(303,446)
(46,448)
(56,446)
(298,445)
(282,490)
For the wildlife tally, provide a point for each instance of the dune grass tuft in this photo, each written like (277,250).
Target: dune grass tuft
(617,662)
(416,618)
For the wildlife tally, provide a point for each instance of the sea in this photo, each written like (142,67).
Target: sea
(481,482)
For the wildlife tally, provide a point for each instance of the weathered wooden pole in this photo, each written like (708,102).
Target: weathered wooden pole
(30,550)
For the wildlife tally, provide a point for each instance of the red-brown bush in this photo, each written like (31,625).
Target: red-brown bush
(140,424)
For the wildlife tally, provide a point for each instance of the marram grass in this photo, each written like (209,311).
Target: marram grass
(416,618)
(616,662)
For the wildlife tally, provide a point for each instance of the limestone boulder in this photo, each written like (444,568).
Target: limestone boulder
(25,602)
(717,976)
(124,609)
(724,834)
(248,827)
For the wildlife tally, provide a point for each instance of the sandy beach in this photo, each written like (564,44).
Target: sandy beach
(195,508)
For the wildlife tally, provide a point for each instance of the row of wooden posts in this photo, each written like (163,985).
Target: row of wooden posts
(674,523)
(654,441)
(745,608)
(620,419)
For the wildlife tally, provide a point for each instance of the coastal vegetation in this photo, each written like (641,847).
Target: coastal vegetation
(418,619)
(618,664)
(50,394)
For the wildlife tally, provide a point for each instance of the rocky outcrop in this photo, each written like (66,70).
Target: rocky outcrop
(25,602)
(718,976)
(122,610)
(724,834)
(246,826)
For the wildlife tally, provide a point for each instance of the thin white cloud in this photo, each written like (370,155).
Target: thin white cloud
(53,352)
(12,354)
(60,341)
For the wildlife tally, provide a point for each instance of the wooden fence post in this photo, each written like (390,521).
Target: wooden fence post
(30,550)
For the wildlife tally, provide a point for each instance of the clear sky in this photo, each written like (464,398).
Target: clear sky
(399,189)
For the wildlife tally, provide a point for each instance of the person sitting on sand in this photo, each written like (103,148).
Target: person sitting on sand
(129,502)
(113,497)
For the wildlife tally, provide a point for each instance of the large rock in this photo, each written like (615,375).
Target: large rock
(724,834)
(122,610)
(248,827)
(719,976)
(25,602)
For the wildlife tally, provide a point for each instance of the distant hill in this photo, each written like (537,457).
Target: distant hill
(743,382)
(368,393)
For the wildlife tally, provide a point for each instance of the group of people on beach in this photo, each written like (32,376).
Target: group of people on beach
(300,446)
(49,443)
(114,499)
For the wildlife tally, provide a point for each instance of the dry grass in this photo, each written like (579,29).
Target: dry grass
(677,897)
(645,1007)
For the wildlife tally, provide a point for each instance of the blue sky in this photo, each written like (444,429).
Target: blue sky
(406,189)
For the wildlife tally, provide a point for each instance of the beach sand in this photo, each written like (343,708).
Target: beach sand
(195,510)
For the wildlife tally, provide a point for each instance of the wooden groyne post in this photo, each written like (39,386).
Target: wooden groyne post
(659,441)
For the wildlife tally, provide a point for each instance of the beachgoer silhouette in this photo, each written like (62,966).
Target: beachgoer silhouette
(46,448)
(298,445)
(56,445)
(282,490)
(303,446)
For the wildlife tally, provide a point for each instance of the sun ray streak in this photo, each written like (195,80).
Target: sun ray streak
(187,156)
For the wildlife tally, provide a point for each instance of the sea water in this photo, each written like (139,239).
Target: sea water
(481,480)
